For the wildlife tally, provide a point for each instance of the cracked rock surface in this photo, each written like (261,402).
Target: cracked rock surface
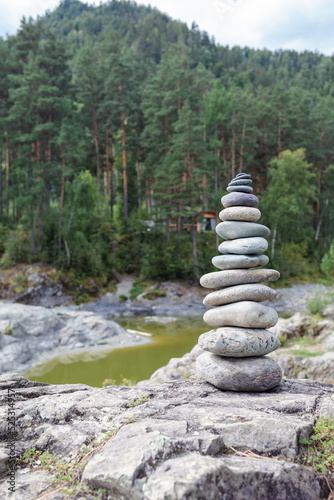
(173,440)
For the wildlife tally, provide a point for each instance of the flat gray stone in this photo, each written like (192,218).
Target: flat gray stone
(239,374)
(246,214)
(230,230)
(239,342)
(254,292)
(241,182)
(231,261)
(221,279)
(247,314)
(240,199)
(240,189)
(242,175)
(248,246)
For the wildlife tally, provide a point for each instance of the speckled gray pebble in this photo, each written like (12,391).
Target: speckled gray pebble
(240,189)
(245,214)
(254,292)
(246,313)
(241,182)
(230,230)
(221,279)
(238,342)
(240,199)
(246,246)
(231,261)
(239,374)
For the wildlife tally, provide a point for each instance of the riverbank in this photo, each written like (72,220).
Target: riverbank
(44,286)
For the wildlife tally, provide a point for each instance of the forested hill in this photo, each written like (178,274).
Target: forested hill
(120,127)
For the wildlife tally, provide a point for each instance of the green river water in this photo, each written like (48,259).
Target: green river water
(170,340)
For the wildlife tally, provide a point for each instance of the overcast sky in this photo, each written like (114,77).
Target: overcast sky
(287,24)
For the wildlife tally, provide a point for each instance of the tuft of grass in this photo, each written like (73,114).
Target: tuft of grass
(155,293)
(123,298)
(137,402)
(125,381)
(317,303)
(320,448)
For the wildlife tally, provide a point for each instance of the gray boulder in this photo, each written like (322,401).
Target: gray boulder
(176,440)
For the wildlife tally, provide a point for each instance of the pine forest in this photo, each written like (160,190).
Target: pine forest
(120,129)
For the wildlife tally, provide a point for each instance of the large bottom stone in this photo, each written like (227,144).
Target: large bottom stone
(239,342)
(239,374)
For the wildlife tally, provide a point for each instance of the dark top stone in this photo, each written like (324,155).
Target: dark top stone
(240,199)
(243,176)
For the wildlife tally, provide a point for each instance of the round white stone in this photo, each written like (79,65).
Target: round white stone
(246,314)
(254,292)
(247,214)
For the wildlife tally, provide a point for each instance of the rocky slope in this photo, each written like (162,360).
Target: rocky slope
(30,335)
(174,440)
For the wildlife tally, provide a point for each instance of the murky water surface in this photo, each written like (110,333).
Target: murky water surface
(171,339)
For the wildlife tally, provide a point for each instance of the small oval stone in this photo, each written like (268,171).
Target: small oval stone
(222,279)
(245,214)
(240,199)
(232,261)
(230,230)
(241,189)
(239,342)
(247,314)
(241,174)
(241,182)
(248,246)
(254,292)
(239,374)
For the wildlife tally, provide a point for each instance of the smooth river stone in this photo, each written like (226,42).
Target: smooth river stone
(239,342)
(245,214)
(240,199)
(255,374)
(240,182)
(231,261)
(254,292)
(242,189)
(241,175)
(246,246)
(230,230)
(246,314)
(222,279)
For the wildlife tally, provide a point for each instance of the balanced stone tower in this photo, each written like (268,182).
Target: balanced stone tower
(235,359)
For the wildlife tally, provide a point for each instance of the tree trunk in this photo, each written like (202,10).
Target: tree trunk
(273,241)
(233,146)
(243,135)
(96,140)
(1,208)
(125,178)
(138,172)
(7,174)
(279,131)
(61,199)
(319,174)
(224,145)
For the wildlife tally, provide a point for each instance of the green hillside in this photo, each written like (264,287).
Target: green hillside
(119,127)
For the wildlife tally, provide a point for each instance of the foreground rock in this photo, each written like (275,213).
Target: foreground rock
(187,439)
(30,335)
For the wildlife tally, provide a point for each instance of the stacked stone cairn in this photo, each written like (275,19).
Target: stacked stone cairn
(234,357)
